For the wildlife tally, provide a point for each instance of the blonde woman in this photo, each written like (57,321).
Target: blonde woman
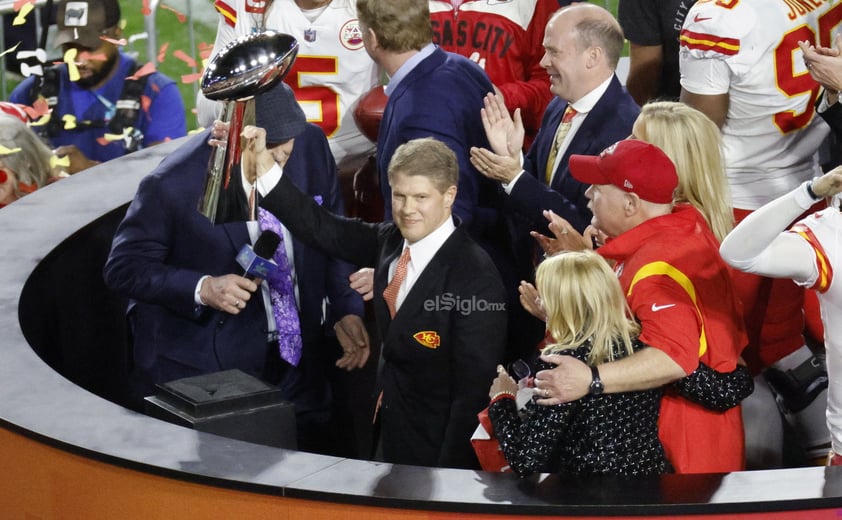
(24,160)
(588,318)
(694,144)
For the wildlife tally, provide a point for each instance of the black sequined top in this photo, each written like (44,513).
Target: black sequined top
(613,434)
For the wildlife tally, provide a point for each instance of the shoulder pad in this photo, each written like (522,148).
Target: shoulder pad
(716,29)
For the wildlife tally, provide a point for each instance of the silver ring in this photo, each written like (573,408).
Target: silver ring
(546,393)
(237,303)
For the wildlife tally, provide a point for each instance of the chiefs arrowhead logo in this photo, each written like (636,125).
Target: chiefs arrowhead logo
(428,338)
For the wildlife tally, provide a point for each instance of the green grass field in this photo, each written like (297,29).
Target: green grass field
(175,34)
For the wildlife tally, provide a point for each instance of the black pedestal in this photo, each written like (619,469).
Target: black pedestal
(231,404)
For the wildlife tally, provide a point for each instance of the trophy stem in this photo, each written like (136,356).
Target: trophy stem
(209,202)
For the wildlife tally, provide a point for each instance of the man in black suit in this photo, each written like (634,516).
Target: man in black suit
(192,312)
(440,307)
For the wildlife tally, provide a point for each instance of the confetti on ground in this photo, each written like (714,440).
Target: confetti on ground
(145,10)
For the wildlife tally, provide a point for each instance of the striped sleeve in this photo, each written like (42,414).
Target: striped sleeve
(228,12)
(823,266)
(701,42)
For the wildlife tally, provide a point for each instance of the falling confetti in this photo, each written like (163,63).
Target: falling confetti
(109,138)
(38,109)
(145,10)
(28,70)
(145,103)
(181,17)
(26,188)
(59,161)
(147,69)
(25,9)
(70,59)
(87,56)
(120,43)
(180,54)
(42,121)
(8,151)
(39,54)
(205,50)
(190,78)
(7,51)
(162,52)
(69,121)
(18,5)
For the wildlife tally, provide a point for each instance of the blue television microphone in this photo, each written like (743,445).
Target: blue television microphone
(257,262)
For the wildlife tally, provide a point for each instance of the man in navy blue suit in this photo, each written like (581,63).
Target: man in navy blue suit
(192,312)
(432,93)
(590,111)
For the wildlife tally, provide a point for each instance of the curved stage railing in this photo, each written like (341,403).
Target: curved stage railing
(67,452)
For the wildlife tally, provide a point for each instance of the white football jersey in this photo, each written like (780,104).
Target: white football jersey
(330,74)
(749,50)
(823,232)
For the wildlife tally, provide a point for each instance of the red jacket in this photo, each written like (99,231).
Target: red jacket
(680,290)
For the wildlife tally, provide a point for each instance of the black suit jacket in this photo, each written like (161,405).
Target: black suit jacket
(440,350)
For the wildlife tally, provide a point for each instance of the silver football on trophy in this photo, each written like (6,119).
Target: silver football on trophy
(249,65)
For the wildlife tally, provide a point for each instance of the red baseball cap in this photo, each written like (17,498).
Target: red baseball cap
(632,165)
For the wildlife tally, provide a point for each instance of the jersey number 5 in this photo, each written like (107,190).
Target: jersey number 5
(325,99)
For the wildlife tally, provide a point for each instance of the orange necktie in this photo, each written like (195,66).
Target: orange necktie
(560,134)
(390,294)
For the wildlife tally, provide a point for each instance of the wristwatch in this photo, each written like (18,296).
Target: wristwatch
(596,387)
